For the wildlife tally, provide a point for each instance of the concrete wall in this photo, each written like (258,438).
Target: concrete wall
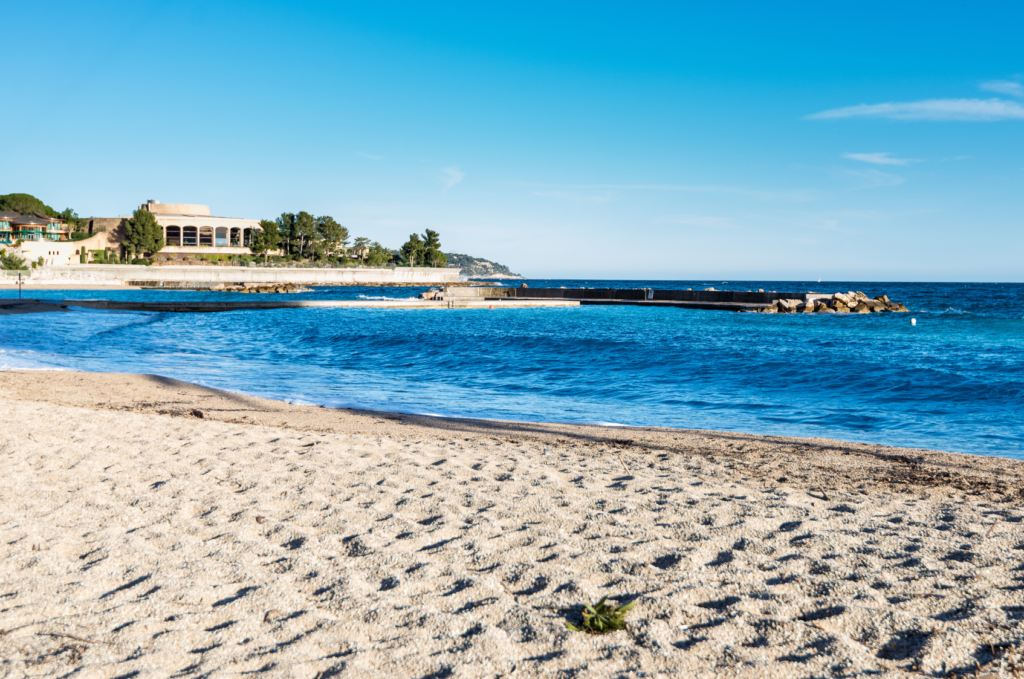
(108,224)
(241,274)
(64,253)
(718,296)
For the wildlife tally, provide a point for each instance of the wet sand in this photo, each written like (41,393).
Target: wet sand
(158,527)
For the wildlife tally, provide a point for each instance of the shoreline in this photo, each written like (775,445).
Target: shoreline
(909,451)
(134,394)
(153,525)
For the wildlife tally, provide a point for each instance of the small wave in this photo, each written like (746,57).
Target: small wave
(383,298)
(23,360)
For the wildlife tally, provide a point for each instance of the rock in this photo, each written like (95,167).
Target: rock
(821,306)
(896,306)
(524,285)
(841,309)
(709,290)
(884,299)
(862,309)
(760,289)
(770,309)
(805,307)
(790,305)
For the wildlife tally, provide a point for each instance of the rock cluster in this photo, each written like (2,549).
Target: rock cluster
(259,287)
(841,303)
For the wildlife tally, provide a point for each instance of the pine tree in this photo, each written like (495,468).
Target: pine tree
(142,234)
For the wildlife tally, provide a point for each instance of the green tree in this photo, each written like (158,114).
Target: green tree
(305,231)
(286,229)
(359,245)
(432,255)
(25,204)
(142,234)
(271,234)
(334,235)
(258,244)
(412,251)
(378,255)
(71,218)
(267,238)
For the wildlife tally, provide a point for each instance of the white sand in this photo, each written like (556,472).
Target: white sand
(140,544)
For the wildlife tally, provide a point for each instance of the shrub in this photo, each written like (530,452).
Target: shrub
(601,618)
(10,261)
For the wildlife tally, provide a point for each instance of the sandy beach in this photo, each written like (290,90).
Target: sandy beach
(156,528)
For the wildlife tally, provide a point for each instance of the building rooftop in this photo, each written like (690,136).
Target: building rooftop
(26,220)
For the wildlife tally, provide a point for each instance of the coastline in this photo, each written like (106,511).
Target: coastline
(154,525)
(821,457)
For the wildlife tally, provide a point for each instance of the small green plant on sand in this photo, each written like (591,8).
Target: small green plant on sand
(601,617)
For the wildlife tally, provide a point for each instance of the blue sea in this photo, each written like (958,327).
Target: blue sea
(954,381)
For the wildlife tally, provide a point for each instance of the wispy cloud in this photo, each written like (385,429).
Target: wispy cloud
(370,156)
(880,158)
(575,197)
(699,221)
(450,176)
(930,109)
(873,179)
(1014,89)
(786,196)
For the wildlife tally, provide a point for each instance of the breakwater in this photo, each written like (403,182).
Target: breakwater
(758,301)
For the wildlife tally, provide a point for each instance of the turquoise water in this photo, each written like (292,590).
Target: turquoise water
(955,381)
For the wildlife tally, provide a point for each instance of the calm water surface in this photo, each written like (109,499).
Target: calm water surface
(955,381)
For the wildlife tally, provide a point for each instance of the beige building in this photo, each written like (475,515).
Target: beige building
(191,229)
(188,230)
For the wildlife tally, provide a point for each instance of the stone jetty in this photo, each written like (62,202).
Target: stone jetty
(838,303)
(749,301)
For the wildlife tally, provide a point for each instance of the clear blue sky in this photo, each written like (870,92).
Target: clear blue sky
(868,141)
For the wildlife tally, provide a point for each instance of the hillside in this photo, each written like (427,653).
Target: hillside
(474,267)
(26,204)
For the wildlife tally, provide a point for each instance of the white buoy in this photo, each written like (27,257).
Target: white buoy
(913,321)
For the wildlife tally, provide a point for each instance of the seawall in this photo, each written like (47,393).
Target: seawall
(146,275)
